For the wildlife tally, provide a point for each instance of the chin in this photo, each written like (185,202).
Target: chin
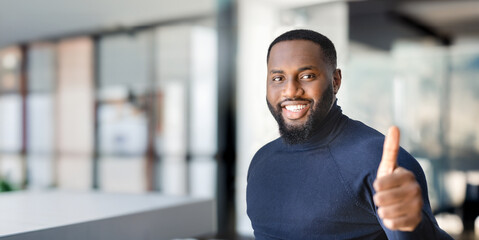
(296,122)
(292,124)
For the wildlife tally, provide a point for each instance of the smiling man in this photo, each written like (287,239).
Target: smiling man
(328,176)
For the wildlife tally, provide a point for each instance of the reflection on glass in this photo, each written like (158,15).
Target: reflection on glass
(173,73)
(464,130)
(431,93)
(125,61)
(366,93)
(123,129)
(419,89)
(186,109)
(406,87)
(125,82)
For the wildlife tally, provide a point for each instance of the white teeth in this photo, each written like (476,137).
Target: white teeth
(295,108)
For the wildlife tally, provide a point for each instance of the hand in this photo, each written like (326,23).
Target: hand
(398,195)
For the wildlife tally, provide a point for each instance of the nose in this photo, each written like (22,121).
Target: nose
(292,88)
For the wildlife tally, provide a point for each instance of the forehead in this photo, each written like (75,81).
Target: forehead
(295,52)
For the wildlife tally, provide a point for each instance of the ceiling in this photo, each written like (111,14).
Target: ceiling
(377,21)
(380,23)
(447,17)
(25,20)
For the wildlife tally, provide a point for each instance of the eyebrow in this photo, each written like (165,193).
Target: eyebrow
(276,71)
(307,68)
(310,67)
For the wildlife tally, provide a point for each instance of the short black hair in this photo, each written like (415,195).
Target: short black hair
(329,52)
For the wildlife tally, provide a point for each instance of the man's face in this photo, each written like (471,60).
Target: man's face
(301,87)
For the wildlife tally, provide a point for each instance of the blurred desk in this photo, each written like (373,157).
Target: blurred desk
(31,215)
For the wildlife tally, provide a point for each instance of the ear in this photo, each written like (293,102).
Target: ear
(337,80)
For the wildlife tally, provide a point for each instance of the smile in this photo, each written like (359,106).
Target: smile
(295,108)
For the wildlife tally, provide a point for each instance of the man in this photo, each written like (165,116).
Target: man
(327,176)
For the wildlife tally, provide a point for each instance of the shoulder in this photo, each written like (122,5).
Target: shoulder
(356,130)
(267,150)
(264,153)
(358,143)
(371,141)
(360,147)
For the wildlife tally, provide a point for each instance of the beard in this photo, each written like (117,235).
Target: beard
(300,134)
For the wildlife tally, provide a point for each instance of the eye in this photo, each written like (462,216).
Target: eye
(276,78)
(307,76)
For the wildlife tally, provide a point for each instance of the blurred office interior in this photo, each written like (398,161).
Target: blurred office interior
(169,96)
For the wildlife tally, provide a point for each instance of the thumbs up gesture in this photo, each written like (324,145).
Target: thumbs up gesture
(398,195)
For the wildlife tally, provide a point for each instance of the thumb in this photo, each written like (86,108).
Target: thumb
(390,152)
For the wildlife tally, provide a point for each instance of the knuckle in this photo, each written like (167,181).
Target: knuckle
(409,175)
(381,212)
(387,213)
(378,185)
(391,224)
(416,190)
(378,199)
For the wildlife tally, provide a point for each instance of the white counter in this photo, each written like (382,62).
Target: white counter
(30,215)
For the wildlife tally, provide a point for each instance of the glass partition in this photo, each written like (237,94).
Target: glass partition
(125,79)
(74,113)
(40,111)
(12,165)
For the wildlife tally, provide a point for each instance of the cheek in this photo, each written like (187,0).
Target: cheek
(316,91)
(272,95)
(312,92)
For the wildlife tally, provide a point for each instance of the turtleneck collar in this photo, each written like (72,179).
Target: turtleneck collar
(324,132)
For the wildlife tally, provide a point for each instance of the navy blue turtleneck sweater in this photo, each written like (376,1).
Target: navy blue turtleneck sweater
(323,189)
